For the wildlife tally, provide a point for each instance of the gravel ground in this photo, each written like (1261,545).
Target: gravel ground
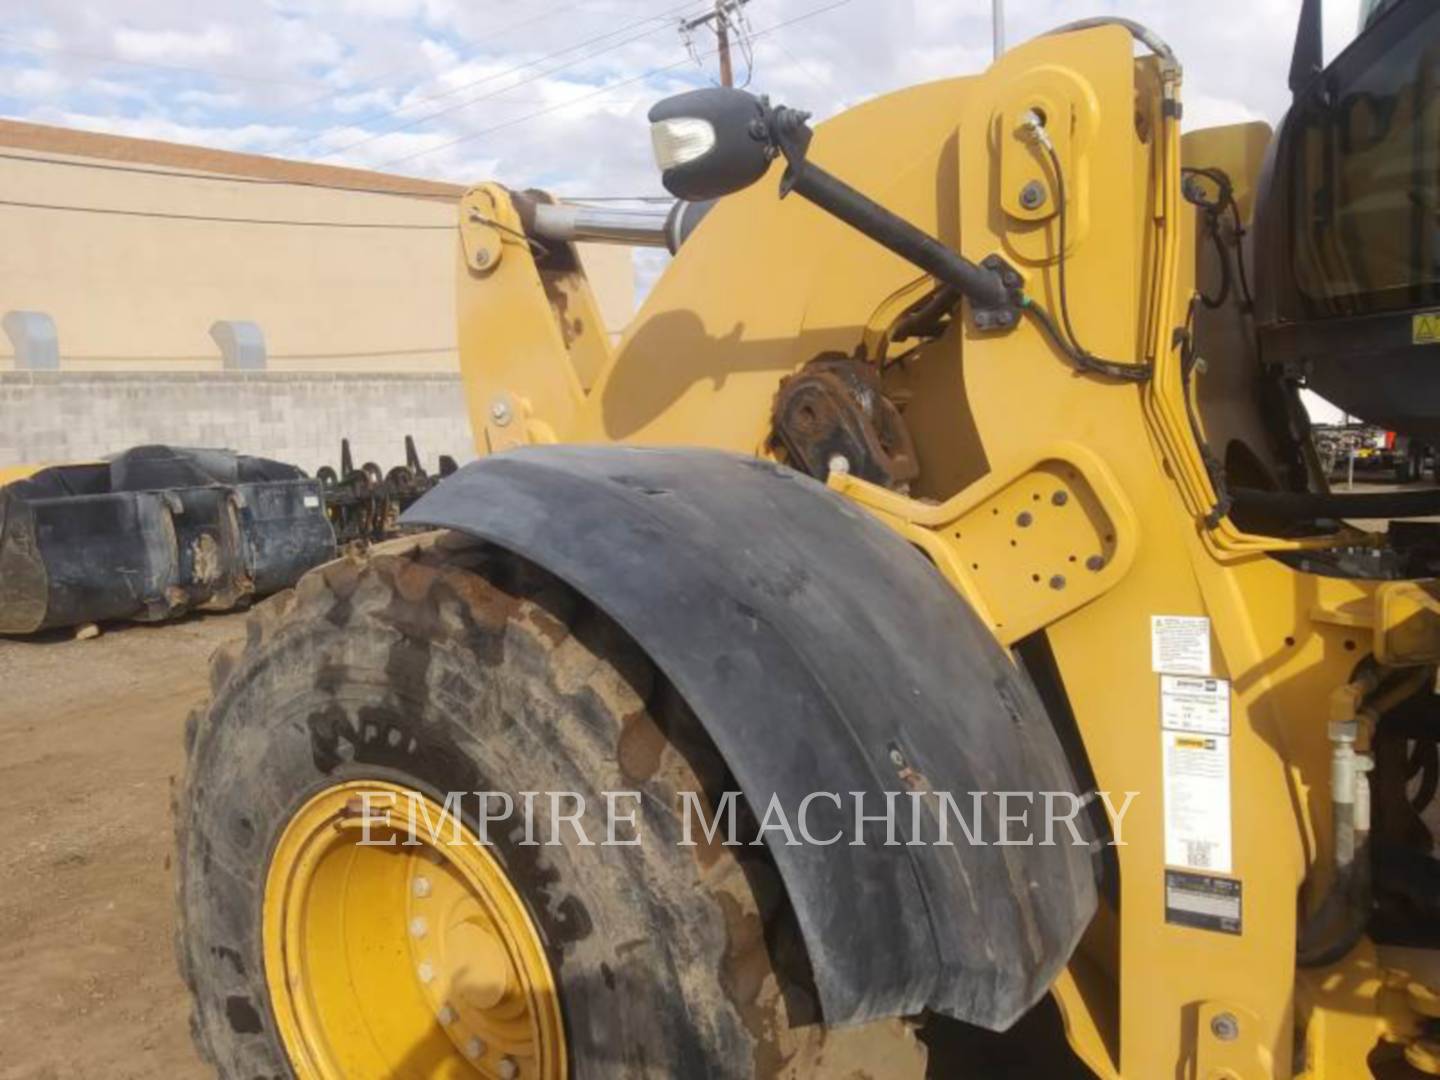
(90,742)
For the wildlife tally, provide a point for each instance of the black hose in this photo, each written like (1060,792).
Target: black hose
(1083,361)
(1307,506)
(1214,467)
(1245,294)
(1223,201)
(1218,300)
(1336,927)
(1424,762)
(1069,343)
(1354,918)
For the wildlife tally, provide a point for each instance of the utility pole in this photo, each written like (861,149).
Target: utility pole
(719,21)
(997,28)
(722,36)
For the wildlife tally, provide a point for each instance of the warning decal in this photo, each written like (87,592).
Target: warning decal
(1425,328)
(1202,901)
(1180,644)
(1197,800)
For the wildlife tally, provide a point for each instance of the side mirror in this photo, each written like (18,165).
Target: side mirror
(711,142)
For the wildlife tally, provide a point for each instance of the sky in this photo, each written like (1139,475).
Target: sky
(549,93)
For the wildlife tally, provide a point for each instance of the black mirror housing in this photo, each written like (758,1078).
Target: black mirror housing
(711,142)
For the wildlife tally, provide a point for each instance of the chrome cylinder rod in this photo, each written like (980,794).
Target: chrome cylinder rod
(639,228)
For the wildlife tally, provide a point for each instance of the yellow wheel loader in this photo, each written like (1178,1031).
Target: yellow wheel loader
(931,618)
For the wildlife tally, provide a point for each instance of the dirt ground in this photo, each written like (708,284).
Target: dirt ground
(90,741)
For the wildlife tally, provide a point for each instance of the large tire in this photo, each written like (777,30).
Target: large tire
(452,666)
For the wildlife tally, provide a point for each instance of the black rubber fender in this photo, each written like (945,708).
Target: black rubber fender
(821,652)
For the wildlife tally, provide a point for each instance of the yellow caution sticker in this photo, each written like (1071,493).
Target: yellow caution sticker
(1425,328)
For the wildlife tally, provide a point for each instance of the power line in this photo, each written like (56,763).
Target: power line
(168,216)
(614,198)
(543,112)
(656,18)
(606,89)
(111,58)
(388,75)
(718,19)
(800,66)
(509,71)
(106,166)
(209,73)
(809,72)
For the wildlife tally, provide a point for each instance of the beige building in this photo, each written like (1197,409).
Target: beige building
(134,249)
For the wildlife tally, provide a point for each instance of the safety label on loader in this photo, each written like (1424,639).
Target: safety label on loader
(1203,901)
(1180,644)
(1194,704)
(1197,800)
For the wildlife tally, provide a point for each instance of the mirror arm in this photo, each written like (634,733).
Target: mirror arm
(1307,61)
(993,289)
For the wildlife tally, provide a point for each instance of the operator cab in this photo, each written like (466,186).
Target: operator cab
(1346,228)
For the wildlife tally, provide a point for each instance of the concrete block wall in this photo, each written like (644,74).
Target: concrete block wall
(58,416)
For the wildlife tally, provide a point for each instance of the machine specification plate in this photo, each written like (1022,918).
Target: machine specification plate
(1202,901)
(1190,703)
(1180,644)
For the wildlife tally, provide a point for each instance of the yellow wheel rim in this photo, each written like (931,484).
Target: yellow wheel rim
(403,960)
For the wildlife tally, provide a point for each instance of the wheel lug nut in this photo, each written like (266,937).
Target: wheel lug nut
(418,926)
(446,1015)
(475,1048)
(421,887)
(426,972)
(507,1069)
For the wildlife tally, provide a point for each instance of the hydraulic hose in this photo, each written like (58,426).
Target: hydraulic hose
(1139,31)
(1333,929)
(1308,506)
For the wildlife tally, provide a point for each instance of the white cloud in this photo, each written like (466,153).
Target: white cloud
(177,46)
(32,83)
(251,138)
(205,99)
(1204,110)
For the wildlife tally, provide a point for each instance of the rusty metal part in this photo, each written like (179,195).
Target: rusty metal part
(929,317)
(833,416)
(919,311)
(365,504)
